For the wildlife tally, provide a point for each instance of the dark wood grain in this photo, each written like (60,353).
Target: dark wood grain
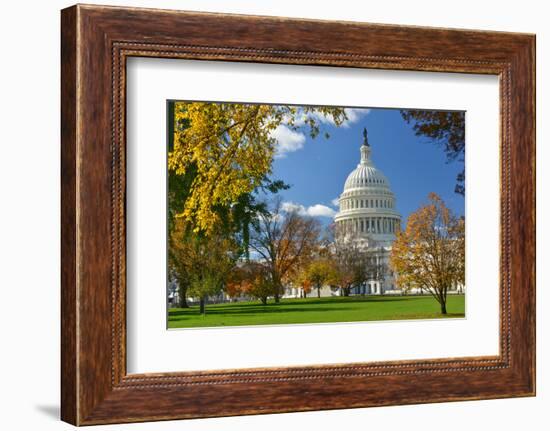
(96,41)
(69,397)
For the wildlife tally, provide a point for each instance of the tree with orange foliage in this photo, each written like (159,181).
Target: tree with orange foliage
(430,253)
(250,278)
(237,283)
(300,280)
(306,287)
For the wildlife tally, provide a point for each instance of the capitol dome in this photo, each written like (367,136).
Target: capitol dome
(367,203)
(365,175)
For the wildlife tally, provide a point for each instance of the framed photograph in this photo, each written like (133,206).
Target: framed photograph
(267,215)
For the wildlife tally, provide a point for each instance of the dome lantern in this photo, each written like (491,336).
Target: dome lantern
(365,148)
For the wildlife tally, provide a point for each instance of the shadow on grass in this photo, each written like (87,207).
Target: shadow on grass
(297,302)
(349,300)
(253,309)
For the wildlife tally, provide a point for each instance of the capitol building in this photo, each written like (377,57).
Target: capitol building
(367,219)
(368,216)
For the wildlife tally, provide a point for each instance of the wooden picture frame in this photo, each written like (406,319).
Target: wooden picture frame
(95,43)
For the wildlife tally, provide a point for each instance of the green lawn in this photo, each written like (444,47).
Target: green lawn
(312,310)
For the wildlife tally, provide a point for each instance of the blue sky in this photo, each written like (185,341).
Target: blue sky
(316,169)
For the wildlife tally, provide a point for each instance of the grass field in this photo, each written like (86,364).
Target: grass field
(313,310)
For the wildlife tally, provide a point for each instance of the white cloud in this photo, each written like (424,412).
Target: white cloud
(291,206)
(335,202)
(316,210)
(323,119)
(287,140)
(354,115)
(319,210)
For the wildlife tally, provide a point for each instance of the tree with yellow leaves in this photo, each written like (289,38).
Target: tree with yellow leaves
(319,272)
(226,150)
(430,253)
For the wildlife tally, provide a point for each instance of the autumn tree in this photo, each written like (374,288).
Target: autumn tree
(251,278)
(355,260)
(202,263)
(319,272)
(445,128)
(429,253)
(351,265)
(299,279)
(237,282)
(260,283)
(284,241)
(232,222)
(179,264)
(305,285)
(223,151)
(234,218)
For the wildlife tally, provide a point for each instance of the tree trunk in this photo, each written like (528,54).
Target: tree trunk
(183,302)
(202,308)
(318,292)
(277,286)
(346,291)
(443,307)
(183,297)
(264,300)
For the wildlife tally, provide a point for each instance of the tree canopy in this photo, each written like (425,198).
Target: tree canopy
(429,253)
(445,128)
(319,272)
(284,241)
(225,150)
